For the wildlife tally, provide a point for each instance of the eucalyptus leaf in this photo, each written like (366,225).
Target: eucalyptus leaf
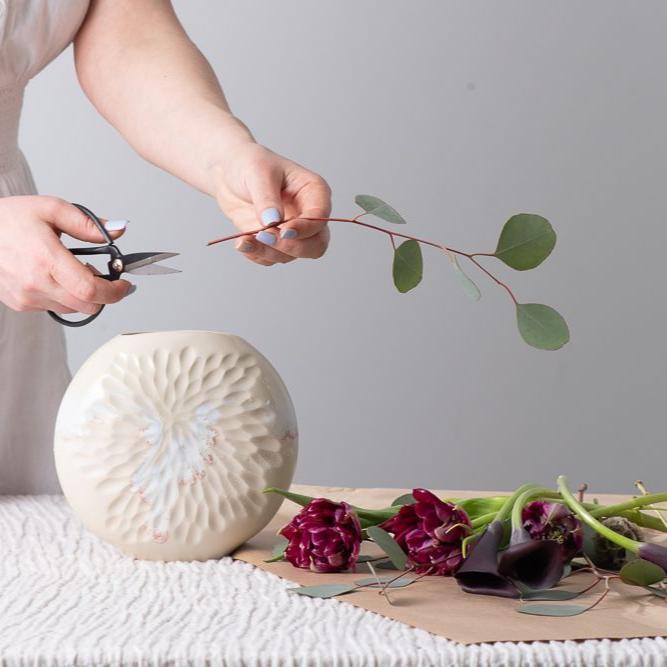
(640,572)
(525,241)
(405,499)
(386,542)
(469,286)
(372,581)
(324,590)
(375,206)
(541,326)
(278,550)
(553,594)
(385,564)
(408,266)
(552,609)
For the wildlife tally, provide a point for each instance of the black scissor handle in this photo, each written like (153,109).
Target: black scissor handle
(115,266)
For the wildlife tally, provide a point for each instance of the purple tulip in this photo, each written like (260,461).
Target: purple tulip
(556,523)
(430,531)
(324,537)
(479,572)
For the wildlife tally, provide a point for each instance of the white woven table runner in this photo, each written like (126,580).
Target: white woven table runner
(68,599)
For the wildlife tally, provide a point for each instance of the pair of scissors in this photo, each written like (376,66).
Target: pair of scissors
(141,263)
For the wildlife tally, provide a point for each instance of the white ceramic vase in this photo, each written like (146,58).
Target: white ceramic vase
(164,442)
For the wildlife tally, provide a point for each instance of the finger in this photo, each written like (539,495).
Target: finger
(76,279)
(265,188)
(312,200)
(261,252)
(312,247)
(67,218)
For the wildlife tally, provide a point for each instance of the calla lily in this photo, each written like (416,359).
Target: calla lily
(652,552)
(479,572)
(534,563)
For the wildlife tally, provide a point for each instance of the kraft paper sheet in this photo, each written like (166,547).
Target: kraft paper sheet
(436,604)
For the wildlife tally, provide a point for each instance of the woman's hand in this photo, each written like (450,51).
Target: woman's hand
(256,187)
(36,271)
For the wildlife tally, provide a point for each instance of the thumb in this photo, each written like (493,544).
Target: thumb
(67,218)
(265,190)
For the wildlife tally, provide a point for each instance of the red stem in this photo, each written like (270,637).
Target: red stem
(391,234)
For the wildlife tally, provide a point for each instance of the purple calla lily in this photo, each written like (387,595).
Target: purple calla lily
(537,564)
(479,573)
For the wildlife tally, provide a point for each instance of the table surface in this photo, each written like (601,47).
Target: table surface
(67,598)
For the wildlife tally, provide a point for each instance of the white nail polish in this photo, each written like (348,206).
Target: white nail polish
(115,225)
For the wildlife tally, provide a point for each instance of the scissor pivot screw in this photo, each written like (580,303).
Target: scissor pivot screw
(117,265)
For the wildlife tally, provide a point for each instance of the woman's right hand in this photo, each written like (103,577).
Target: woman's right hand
(37,272)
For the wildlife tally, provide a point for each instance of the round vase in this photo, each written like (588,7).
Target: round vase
(164,442)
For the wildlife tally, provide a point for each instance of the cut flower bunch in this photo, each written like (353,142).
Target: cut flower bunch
(523,545)
(526,240)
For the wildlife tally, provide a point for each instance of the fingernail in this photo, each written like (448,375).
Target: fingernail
(244,246)
(270,215)
(115,225)
(132,290)
(288,234)
(266,238)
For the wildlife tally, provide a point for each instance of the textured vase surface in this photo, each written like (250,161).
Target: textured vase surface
(164,442)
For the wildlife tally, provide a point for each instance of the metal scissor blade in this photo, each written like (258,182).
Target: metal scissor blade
(153,270)
(140,260)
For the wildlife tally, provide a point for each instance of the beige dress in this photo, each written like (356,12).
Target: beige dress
(33,363)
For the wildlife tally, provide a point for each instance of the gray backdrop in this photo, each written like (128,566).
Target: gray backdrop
(460,114)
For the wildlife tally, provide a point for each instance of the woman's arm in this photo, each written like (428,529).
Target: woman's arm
(144,75)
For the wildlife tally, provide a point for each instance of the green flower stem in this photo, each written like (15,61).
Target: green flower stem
(528,494)
(632,504)
(624,542)
(506,508)
(483,520)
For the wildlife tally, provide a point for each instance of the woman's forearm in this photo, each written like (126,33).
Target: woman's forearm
(144,75)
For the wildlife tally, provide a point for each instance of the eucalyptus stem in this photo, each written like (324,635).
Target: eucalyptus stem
(391,234)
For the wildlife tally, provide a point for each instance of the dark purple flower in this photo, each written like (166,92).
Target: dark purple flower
(554,522)
(537,564)
(430,531)
(479,572)
(324,537)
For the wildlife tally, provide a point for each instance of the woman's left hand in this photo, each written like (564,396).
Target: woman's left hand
(256,187)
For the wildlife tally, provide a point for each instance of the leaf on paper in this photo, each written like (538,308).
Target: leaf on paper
(323,590)
(278,550)
(640,572)
(372,581)
(552,609)
(387,543)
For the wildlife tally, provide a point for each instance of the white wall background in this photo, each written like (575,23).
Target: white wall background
(460,114)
